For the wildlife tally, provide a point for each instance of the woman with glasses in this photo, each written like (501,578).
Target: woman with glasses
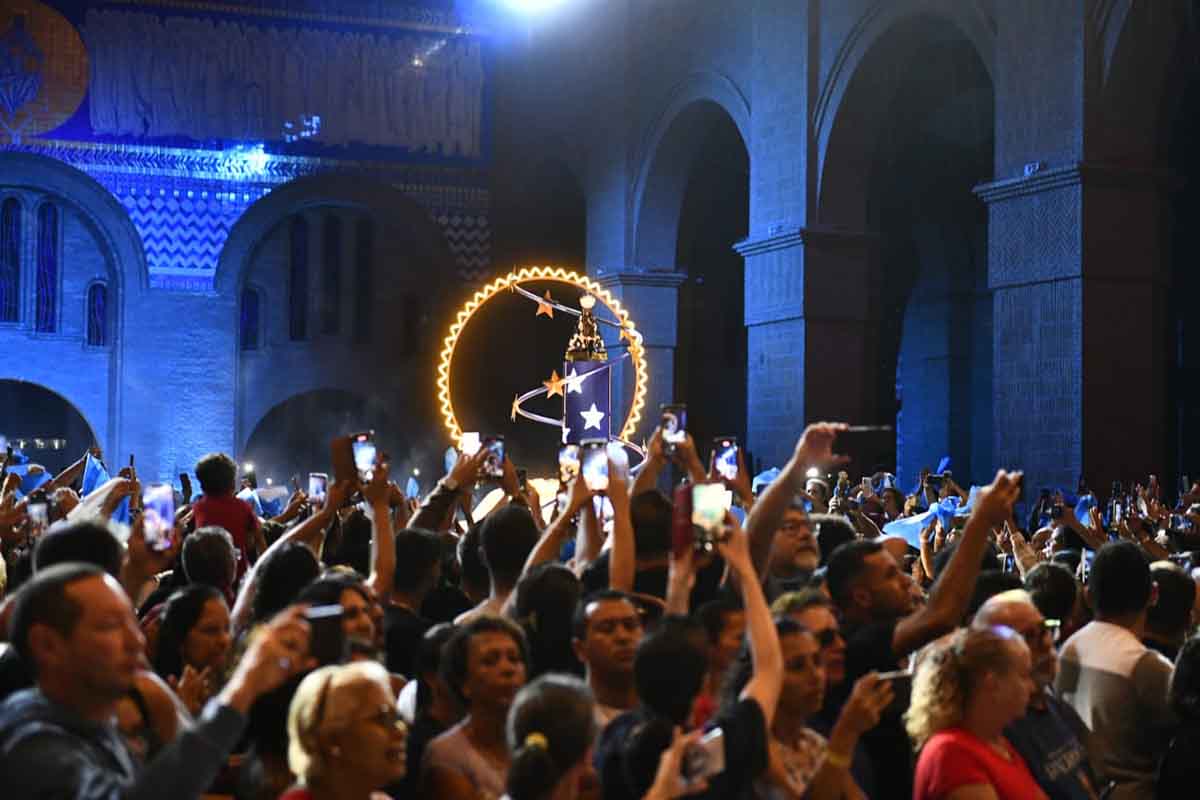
(964,695)
(345,737)
(485,664)
(802,762)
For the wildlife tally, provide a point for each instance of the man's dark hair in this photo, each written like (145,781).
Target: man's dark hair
(942,559)
(831,531)
(1172,614)
(89,542)
(418,552)
(508,535)
(1053,589)
(457,650)
(1120,581)
(846,565)
(281,577)
(670,667)
(579,622)
(43,600)
(1069,559)
(217,474)
(209,556)
(990,583)
(651,513)
(353,548)
(712,615)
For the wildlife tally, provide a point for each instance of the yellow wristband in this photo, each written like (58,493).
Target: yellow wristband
(836,760)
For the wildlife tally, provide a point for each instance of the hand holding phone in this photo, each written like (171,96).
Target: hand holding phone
(673,425)
(493,463)
(593,457)
(327,641)
(318,486)
(158,515)
(725,458)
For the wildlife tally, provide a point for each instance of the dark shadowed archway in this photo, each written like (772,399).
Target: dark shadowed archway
(32,413)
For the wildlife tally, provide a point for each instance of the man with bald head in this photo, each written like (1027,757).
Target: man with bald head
(1050,737)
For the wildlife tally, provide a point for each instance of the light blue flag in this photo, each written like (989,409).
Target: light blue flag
(764,479)
(94,474)
(909,528)
(272,500)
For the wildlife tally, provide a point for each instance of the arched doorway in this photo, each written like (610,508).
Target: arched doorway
(912,138)
(54,432)
(710,367)
(293,437)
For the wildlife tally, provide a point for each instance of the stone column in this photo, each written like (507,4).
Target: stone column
(651,298)
(813,323)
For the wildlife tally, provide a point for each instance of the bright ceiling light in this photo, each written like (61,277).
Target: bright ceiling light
(531,6)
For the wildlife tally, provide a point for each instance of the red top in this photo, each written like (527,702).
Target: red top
(232,514)
(954,758)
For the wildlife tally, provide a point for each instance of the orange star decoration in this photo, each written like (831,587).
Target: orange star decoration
(555,385)
(515,406)
(545,307)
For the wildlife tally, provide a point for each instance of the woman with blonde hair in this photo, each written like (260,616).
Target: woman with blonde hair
(964,694)
(345,736)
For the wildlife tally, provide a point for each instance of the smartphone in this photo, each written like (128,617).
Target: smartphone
(894,675)
(522,477)
(39,519)
(363,447)
(318,486)
(710,501)
(469,443)
(326,640)
(673,424)
(158,515)
(493,465)
(131,460)
(705,759)
(618,459)
(1088,557)
(568,463)
(593,461)
(726,460)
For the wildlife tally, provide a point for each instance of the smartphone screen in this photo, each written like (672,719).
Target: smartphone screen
(493,465)
(726,459)
(704,759)
(158,514)
(618,458)
(326,641)
(39,518)
(594,464)
(522,477)
(710,501)
(318,485)
(673,423)
(363,445)
(469,443)
(568,463)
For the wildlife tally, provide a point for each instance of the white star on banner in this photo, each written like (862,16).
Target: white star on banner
(592,417)
(574,382)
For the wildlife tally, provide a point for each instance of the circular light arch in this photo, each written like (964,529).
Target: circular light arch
(542,274)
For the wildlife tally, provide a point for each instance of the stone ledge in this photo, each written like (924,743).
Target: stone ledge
(1079,173)
(668,280)
(787,237)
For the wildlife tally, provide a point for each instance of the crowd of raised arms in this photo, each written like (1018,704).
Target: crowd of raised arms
(824,638)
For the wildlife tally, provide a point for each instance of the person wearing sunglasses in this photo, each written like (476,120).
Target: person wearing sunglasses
(1050,737)
(345,736)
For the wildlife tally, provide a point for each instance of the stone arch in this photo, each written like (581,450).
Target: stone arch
(836,115)
(355,191)
(82,408)
(280,369)
(107,217)
(666,157)
(95,371)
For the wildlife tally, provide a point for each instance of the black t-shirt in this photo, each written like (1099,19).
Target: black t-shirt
(869,649)
(744,730)
(423,731)
(403,630)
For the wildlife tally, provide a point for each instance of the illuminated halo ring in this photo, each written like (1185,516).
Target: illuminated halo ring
(511,281)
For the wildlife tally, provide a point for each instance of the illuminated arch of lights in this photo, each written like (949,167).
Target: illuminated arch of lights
(513,282)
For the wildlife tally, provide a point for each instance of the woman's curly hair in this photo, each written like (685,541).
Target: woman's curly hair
(946,677)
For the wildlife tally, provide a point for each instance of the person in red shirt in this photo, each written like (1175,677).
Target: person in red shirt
(217,474)
(964,694)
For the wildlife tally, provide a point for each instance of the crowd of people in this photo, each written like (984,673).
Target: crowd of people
(827,639)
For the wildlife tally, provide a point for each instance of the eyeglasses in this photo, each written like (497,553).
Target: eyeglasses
(826,637)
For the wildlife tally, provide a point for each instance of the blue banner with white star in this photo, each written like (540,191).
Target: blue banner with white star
(587,400)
